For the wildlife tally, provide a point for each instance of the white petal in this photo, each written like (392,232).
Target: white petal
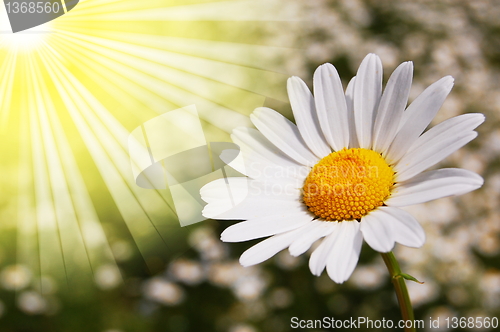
(237,198)
(252,140)
(377,233)
(392,105)
(407,231)
(418,116)
(261,160)
(349,98)
(269,247)
(316,230)
(383,227)
(266,226)
(367,91)
(267,203)
(451,128)
(432,185)
(229,189)
(331,106)
(304,112)
(252,207)
(234,159)
(283,134)
(345,252)
(317,262)
(222,195)
(400,226)
(418,161)
(440,141)
(259,168)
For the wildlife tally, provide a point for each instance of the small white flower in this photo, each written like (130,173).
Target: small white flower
(343,171)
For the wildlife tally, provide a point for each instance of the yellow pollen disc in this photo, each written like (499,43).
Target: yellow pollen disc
(347,184)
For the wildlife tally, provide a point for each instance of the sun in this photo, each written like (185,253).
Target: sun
(24,41)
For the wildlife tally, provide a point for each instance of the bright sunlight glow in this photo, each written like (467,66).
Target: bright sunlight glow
(23,41)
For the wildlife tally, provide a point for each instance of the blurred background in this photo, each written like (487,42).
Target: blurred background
(82,248)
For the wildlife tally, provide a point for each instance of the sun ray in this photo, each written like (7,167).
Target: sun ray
(51,255)
(7,71)
(74,88)
(65,191)
(109,156)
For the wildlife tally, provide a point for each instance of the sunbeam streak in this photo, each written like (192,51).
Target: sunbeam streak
(71,90)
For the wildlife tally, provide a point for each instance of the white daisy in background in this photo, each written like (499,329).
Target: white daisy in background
(343,172)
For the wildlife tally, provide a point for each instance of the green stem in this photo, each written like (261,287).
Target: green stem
(400,286)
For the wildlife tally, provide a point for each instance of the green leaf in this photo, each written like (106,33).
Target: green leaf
(409,277)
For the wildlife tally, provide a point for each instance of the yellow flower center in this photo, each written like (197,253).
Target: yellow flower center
(347,184)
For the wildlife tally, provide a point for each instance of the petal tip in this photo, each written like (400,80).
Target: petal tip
(371,56)
(480,117)
(256,112)
(480,181)
(408,65)
(336,278)
(223,236)
(316,273)
(449,80)
(245,261)
(295,82)
(384,251)
(372,59)
(325,66)
(244,264)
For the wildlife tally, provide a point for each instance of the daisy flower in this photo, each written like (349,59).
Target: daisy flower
(343,171)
